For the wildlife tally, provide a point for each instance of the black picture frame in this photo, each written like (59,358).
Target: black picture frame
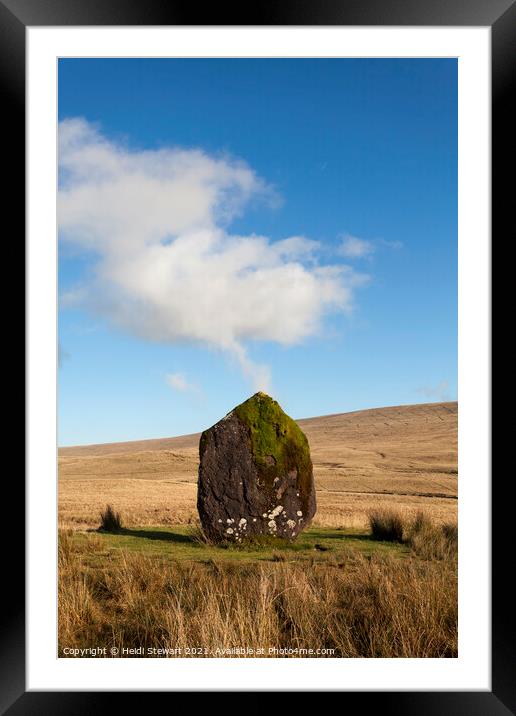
(15,17)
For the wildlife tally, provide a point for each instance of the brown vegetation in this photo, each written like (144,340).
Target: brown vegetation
(386,525)
(350,605)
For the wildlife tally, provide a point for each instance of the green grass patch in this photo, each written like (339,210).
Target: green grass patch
(181,543)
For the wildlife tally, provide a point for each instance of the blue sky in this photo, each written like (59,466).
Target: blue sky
(353,161)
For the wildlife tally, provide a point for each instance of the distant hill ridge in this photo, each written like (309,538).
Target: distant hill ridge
(379,420)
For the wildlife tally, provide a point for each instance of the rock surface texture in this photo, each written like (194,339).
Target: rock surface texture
(255,474)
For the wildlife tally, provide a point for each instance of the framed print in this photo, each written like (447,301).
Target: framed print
(258,353)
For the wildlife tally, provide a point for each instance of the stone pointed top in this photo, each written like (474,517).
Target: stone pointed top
(260,395)
(251,402)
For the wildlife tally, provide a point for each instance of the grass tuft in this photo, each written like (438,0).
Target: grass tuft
(431,541)
(386,525)
(424,538)
(110,521)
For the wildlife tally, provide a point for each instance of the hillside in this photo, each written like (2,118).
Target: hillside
(404,456)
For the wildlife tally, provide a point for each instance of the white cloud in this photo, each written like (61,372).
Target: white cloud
(178,381)
(354,248)
(167,267)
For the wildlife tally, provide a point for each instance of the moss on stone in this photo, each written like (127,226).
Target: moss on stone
(277,442)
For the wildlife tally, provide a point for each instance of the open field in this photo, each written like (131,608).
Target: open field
(155,592)
(403,457)
(157,588)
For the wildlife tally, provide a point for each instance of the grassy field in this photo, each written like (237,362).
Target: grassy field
(403,457)
(374,576)
(162,592)
(180,543)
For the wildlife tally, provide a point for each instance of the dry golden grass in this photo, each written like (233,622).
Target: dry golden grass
(354,606)
(399,602)
(403,457)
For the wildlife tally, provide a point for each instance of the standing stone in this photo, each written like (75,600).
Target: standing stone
(255,474)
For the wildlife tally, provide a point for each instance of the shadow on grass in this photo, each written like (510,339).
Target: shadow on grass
(176,537)
(259,543)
